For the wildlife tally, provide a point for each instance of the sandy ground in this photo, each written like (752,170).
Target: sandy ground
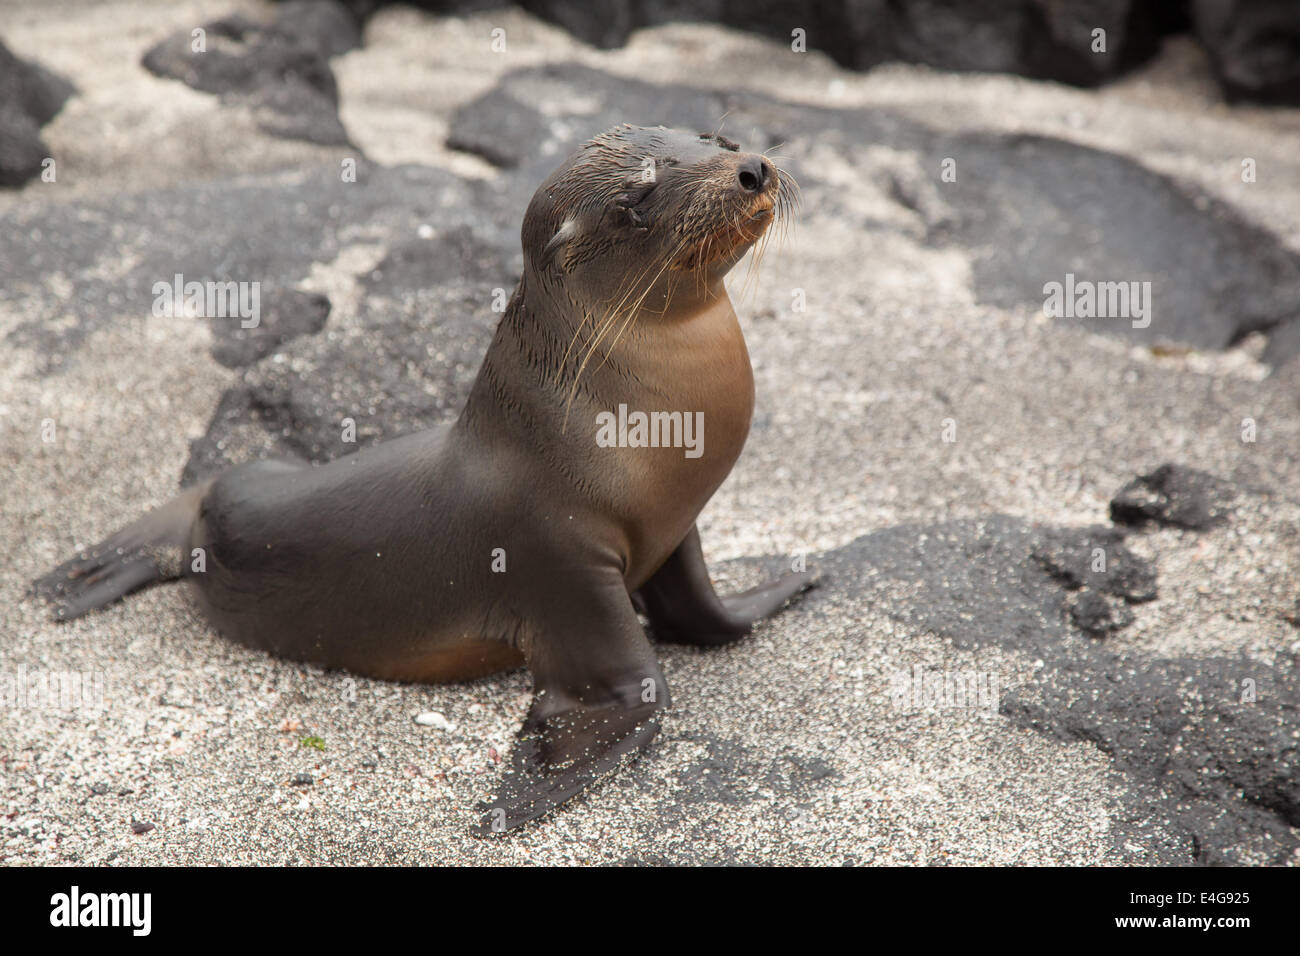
(203,739)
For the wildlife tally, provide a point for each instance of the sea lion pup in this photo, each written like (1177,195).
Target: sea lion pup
(515,535)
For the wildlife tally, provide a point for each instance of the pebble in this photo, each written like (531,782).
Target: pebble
(434,719)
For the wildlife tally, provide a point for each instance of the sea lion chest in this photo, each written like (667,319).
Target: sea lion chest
(696,399)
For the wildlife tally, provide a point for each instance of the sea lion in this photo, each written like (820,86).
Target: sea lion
(512,535)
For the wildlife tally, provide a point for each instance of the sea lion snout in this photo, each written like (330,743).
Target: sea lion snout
(753,174)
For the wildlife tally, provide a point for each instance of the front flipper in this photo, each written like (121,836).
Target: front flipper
(556,759)
(597,696)
(683,607)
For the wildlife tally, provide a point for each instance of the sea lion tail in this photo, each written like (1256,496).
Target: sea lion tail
(143,553)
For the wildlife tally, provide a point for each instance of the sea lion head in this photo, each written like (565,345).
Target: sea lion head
(638,211)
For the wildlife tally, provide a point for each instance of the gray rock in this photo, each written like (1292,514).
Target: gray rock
(32,89)
(1252,43)
(241,56)
(30,96)
(22,151)
(1283,344)
(499,128)
(328,27)
(296,110)
(282,69)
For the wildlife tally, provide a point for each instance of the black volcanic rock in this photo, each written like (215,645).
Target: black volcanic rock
(285,315)
(1207,745)
(500,129)
(1050,39)
(406,363)
(268,230)
(1037,210)
(1096,558)
(1174,496)
(1099,614)
(1029,210)
(296,110)
(1254,46)
(240,57)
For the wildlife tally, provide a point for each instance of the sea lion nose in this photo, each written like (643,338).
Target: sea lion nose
(752,173)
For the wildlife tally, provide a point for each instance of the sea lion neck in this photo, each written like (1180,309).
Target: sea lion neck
(551,366)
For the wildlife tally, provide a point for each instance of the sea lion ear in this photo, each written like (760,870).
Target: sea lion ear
(553,251)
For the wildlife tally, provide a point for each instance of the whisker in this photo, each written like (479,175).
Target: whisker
(608,323)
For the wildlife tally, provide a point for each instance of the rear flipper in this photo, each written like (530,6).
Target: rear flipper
(152,549)
(680,601)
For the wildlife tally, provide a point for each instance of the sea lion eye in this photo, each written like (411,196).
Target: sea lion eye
(634,195)
(630,201)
